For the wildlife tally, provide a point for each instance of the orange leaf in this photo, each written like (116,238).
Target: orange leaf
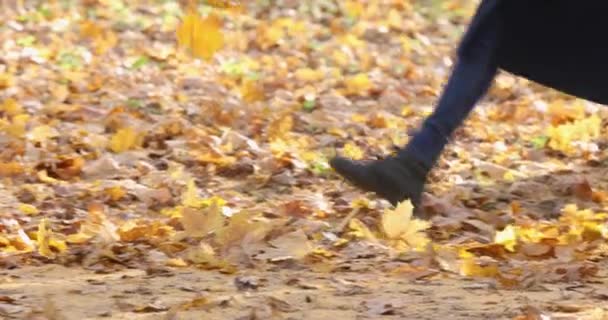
(8,169)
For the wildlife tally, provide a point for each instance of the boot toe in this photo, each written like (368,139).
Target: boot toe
(387,178)
(352,171)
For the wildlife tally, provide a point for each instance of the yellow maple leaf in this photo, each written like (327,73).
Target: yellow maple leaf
(309,75)
(176,262)
(280,127)
(126,139)
(535,234)
(41,134)
(11,107)
(402,230)
(360,203)
(360,230)
(115,192)
(102,39)
(563,136)
(561,112)
(204,255)
(106,42)
(46,241)
(341,58)
(6,80)
(222,3)
(89,28)
(268,35)
(80,237)
(252,91)
(191,197)
(406,44)
(507,237)
(28,209)
(201,35)
(473,266)
(16,127)
(59,91)
(134,230)
(353,151)
(59,245)
(184,30)
(354,8)
(358,84)
(232,6)
(97,225)
(394,19)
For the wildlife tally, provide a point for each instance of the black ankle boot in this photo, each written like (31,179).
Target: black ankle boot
(394,179)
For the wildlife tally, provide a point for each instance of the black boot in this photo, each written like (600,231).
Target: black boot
(394,179)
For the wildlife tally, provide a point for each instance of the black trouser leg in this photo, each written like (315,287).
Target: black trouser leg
(469,81)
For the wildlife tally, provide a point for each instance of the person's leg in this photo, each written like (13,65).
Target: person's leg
(403,177)
(470,79)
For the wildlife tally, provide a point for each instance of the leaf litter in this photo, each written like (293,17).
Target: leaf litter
(197,135)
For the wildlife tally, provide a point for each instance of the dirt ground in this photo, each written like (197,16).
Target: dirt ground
(55,292)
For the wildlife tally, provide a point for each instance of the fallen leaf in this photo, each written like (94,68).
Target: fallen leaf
(478,267)
(360,230)
(351,150)
(201,35)
(45,240)
(126,139)
(402,231)
(196,303)
(28,209)
(536,249)
(358,84)
(204,256)
(10,169)
(507,237)
(151,307)
(42,133)
(199,223)
(293,245)
(241,227)
(176,262)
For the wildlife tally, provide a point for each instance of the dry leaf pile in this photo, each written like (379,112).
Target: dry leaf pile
(148,133)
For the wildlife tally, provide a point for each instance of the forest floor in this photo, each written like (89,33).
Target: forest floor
(139,182)
(49,293)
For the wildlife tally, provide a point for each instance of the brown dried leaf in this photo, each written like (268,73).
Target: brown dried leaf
(201,222)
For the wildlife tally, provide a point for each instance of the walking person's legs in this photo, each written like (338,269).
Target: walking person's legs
(403,176)
(530,39)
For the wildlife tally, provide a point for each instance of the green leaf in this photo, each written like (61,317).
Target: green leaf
(134,103)
(309,105)
(26,41)
(45,11)
(69,60)
(232,68)
(252,75)
(320,168)
(540,142)
(140,62)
